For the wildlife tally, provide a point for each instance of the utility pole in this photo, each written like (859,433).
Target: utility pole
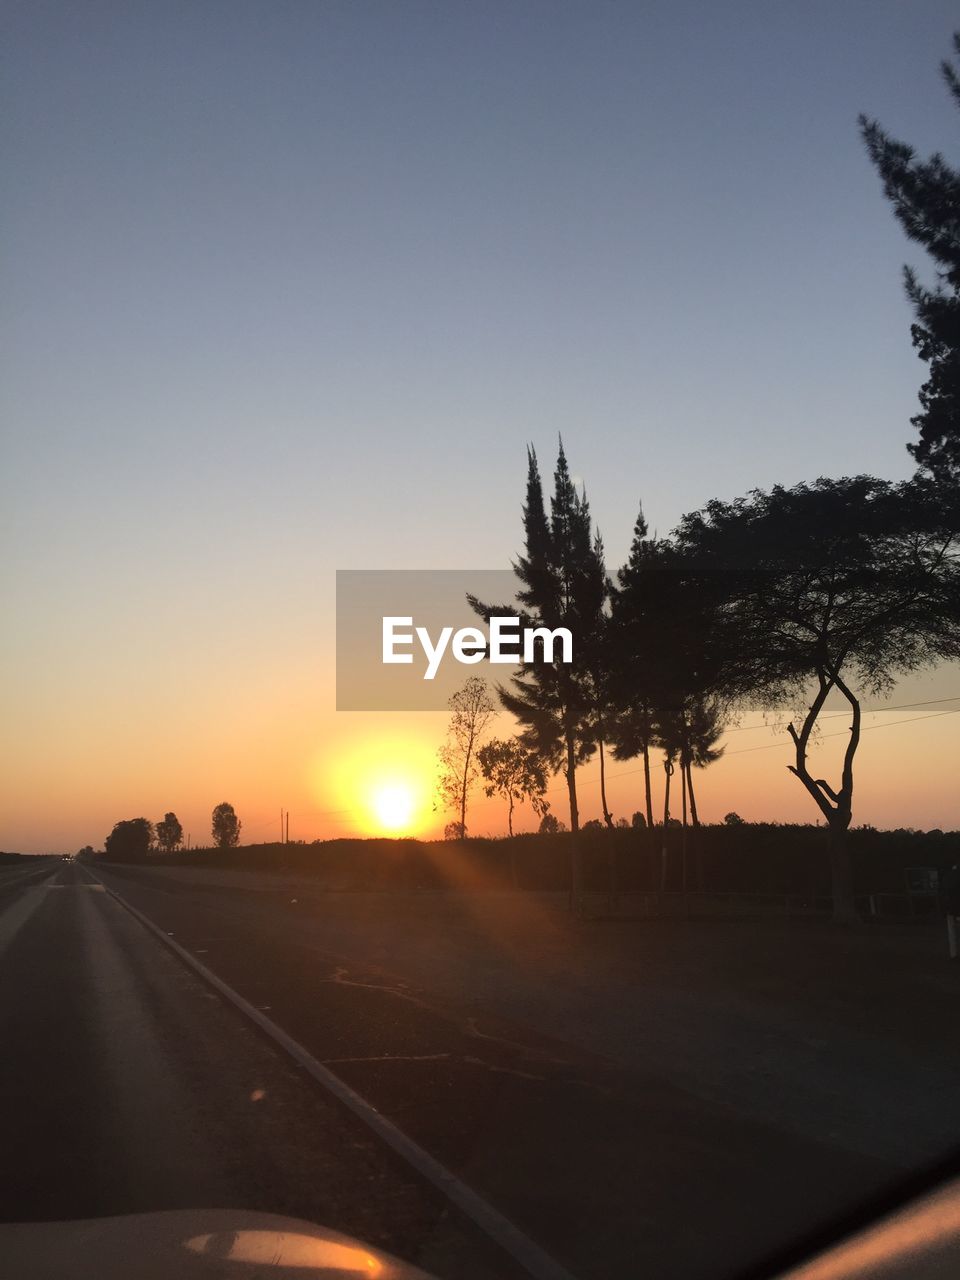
(286,839)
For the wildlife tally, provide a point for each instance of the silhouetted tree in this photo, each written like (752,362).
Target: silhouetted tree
(702,730)
(633,658)
(557,573)
(515,773)
(129,839)
(169,833)
(550,825)
(471,710)
(843,582)
(226,826)
(691,727)
(667,739)
(661,621)
(925,195)
(595,656)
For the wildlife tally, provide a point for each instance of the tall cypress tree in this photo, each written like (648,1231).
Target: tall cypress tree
(557,574)
(925,195)
(533,568)
(595,645)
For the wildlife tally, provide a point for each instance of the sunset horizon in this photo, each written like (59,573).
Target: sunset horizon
(480,682)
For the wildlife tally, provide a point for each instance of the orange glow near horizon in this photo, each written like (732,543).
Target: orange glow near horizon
(361,775)
(386,785)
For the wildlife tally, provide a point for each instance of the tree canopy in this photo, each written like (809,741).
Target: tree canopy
(225,826)
(471,710)
(515,773)
(925,195)
(129,839)
(836,587)
(169,833)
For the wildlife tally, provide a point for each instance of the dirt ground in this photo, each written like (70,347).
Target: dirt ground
(847,1037)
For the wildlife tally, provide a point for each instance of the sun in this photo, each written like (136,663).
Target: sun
(394,806)
(385,783)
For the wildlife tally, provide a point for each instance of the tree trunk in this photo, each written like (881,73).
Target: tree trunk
(836,806)
(668,770)
(683,825)
(841,875)
(648,796)
(607,815)
(463,789)
(576,870)
(694,818)
(646,785)
(513,848)
(695,847)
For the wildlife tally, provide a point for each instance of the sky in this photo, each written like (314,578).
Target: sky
(288,288)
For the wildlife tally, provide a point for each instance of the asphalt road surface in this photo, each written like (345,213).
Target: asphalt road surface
(127,1085)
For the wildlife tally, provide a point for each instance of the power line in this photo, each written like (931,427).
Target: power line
(935,715)
(772,746)
(867,711)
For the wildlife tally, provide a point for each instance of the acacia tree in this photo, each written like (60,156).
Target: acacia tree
(925,195)
(471,710)
(225,826)
(169,833)
(513,772)
(832,588)
(551,699)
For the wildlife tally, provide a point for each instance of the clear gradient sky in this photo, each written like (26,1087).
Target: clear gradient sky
(287,287)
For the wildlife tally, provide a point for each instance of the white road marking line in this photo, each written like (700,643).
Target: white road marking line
(516,1243)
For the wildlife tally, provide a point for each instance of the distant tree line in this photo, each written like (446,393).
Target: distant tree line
(752,859)
(134,838)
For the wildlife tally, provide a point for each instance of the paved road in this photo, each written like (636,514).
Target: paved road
(126,1085)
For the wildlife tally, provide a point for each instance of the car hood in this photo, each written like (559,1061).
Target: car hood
(225,1244)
